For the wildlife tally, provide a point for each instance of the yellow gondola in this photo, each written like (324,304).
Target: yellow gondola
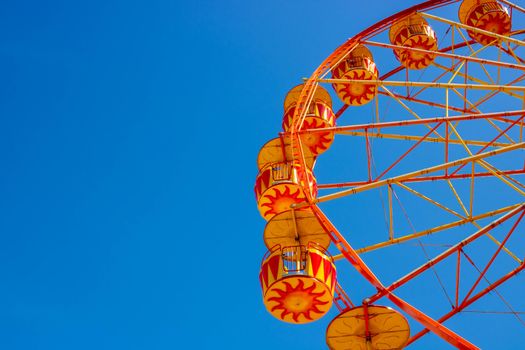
(279,185)
(298,282)
(319,115)
(359,65)
(487,15)
(413,32)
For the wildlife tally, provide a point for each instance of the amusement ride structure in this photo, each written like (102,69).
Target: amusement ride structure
(417,121)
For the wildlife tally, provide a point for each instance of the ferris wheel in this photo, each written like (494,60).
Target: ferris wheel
(401,163)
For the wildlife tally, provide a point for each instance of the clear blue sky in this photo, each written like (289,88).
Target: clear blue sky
(128,134)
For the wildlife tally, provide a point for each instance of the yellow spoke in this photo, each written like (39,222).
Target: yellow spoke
(474,79)
(457,197)
(484,165)
(460,58)
(413,174)
(513,5)
(498,243)
(512,255)
(408,109)
(495,92)
(500,130)
(425,102)
(433,230)
(422,196)
(466,218)
(472,189)
(436,78)
(384,83)
(475,53)
(503,174)
(472,106)
(376,98)
(513,54)
(419,138)
(390,214)
(474,29)
(456,71)
(521,125)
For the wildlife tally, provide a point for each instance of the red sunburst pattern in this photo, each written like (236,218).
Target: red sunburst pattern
(279,198)
(275,193)
(414,59)
(299,300)
(356,94)
(495,21)
(358,69)
(317,142)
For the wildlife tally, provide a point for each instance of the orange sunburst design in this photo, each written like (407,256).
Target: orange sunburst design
(317,142)
(283,187)
(413,59)
(496,21)
(356,94)
(279,198)
(298,299)
(355,68)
